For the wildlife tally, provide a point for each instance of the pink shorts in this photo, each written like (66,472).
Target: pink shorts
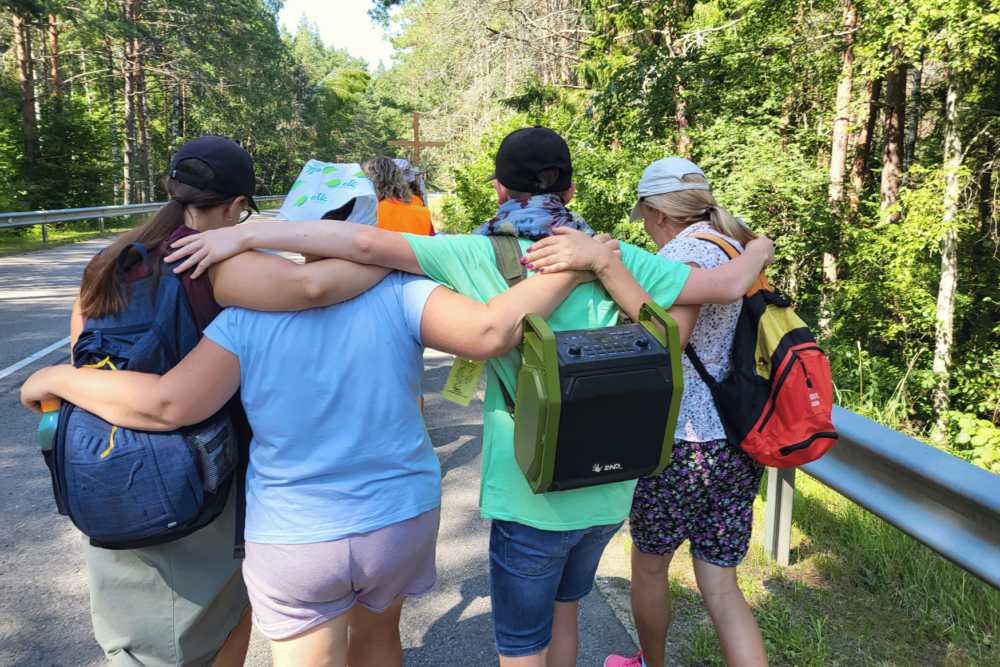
(295,587)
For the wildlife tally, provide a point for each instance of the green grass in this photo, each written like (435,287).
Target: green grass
(858,592)
(28,239)
(17,241)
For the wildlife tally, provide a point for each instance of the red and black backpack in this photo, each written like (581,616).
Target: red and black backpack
(776,403)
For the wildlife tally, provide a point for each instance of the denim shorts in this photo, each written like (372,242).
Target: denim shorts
(531,570)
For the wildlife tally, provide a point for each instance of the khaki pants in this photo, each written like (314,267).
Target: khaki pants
(171,605)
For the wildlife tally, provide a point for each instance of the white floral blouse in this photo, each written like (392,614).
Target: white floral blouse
(712,338)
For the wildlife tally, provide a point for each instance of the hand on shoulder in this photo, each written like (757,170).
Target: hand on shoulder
(207,248)
(571,250)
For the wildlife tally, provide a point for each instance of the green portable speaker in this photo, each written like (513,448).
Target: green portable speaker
(597,406)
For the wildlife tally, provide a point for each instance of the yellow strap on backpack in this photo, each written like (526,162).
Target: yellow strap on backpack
(726,247)
(101,364)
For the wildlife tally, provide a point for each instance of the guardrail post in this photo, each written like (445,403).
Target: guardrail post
(778,521)
(45,233)
(100,225)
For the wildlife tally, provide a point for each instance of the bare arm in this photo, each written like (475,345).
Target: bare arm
(630,296)
(192,391)
(729,282)
(75,325)
(459,325)
(326,238)
(259,281)
(726,284)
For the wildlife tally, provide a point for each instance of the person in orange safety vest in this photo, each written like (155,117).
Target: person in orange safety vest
(397,210)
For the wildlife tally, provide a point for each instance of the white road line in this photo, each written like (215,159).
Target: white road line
(35,357)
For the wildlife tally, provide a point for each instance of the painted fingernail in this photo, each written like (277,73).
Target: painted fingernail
(529,249)
(523,260)
(541,270)
(531,266)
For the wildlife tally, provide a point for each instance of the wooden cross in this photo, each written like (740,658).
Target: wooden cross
(416,143)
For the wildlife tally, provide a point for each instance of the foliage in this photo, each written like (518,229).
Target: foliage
(977,440)
(747,90)
(213,67)
(71,170)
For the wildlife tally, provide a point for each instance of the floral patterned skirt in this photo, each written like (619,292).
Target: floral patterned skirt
(706,496)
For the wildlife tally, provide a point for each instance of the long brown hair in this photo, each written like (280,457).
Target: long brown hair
(415,190)
(103,291)
(388,179)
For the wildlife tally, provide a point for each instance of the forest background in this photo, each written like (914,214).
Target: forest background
(860,135)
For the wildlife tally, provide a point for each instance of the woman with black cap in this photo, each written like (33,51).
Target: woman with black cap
(184,603)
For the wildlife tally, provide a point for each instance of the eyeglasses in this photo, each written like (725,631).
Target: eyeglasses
(245,215)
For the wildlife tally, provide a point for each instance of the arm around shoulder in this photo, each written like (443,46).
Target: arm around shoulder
(729,282)
(191,392)
(260,281)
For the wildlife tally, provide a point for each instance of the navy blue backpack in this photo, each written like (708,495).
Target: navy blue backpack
(128,489)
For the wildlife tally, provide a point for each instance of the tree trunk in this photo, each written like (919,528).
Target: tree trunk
(131,162)
(142,134)
(859,170)
(838,151)
(166,125)
(986,186)
(43,77)
(842,113)
(22,40)
(54,49)
(892,155)
(945,319)
(38,81)
(175,124)
(112,120)
(86,83)
(147,144)
(184,114)
(686,10)
(912,119)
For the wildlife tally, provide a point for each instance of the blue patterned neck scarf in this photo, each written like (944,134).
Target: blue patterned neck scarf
(533,218)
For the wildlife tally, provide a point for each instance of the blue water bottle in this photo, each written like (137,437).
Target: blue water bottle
(50,421)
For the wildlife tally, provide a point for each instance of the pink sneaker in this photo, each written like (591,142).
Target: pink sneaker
(619,661)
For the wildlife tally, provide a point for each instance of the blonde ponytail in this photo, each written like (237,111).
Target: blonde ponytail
(685,207)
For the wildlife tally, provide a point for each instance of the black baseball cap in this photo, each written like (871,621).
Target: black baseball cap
(231,164)
(524,153)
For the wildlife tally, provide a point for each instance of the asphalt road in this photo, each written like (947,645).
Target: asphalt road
(44,619)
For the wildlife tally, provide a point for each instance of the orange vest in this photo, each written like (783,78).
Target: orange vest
(399,217)
(417,201)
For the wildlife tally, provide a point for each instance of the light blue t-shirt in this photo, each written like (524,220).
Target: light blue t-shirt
(339,445)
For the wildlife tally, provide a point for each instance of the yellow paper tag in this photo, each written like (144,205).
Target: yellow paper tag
(462,380)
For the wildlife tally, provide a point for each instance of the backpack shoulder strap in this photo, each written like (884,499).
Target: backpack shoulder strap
(723,244)
(727,247)
(703,373)
(508,255)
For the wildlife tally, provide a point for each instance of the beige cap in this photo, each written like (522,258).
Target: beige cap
(666,175)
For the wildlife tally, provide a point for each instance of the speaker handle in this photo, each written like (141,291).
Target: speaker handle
(672,342)
(539,336)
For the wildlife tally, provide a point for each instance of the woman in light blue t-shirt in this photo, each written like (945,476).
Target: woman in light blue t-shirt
(343,487)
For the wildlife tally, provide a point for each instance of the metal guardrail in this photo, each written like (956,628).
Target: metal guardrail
(44,218)
(943,502)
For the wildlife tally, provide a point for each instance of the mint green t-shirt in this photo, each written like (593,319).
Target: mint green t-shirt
(467,265)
